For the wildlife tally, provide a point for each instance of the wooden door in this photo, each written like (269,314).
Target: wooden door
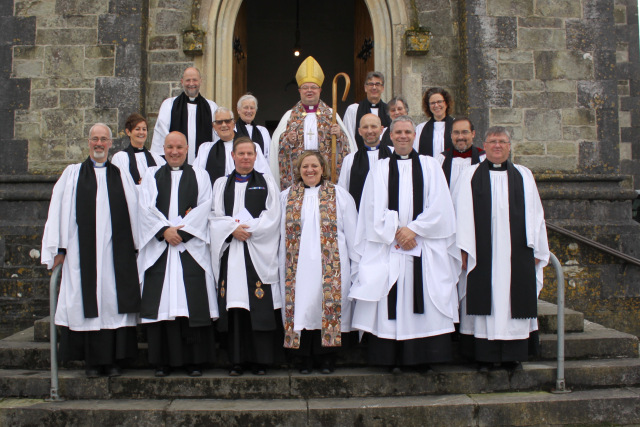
(239,74)
(363,59)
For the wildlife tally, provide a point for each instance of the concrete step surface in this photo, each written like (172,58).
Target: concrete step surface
(343,383)
(590,407)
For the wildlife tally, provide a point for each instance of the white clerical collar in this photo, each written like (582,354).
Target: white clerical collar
(175,168)
(98,165)
(403,157)
(192,99)
(373,148)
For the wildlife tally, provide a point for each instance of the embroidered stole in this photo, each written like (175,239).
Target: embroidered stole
(289,152)
(331,270)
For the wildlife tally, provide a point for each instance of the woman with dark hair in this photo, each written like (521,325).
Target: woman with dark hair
(136,159)
(434,135)
(317,263)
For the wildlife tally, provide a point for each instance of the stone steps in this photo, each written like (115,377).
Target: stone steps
(589,407)
(343,383)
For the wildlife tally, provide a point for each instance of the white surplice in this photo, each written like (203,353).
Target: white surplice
(163,122)
(121,160)
(345,172)
(265,137)
(308,287)
(438,136)
(261,164)
(173,301)
(499,325)
(458,165)
(310,139)
(351,116)
(380,267)
(61,231)
(263,243)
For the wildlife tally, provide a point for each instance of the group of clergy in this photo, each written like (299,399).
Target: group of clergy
(221,236)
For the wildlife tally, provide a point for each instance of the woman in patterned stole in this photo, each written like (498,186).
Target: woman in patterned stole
(317,263)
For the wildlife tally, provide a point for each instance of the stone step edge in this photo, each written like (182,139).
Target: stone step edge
(345,382)
(522,408)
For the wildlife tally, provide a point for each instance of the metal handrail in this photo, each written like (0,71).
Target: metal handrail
(594,244)
(56,277)
(561,387)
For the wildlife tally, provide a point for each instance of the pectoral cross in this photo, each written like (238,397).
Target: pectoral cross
(310,134)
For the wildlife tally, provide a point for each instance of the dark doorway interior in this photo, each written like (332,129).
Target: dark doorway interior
(326,33)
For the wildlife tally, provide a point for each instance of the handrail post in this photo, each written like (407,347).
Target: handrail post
(53,333)
(561,387)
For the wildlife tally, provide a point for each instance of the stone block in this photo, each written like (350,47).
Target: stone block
(537,38)
(34,8)
(528,148)
(623,89)
(163,56)
(65,83)
(81,7)
(442,75)
(566,148)
(528,99)
(64,61)
(620,14)
(558,100)
(76,98)
(44,98)
(129,61)
(492,32)
(15,93)
(482,64)
(625,154)
(622,56)
(540,22)
(116,92)
(104,115)
(60,123)
(17,30)
(445,47)
(589,35)
(163,42)
(22,116)
(574,133)
(571,65)
(515,71)
(498,93)
(605,66)
(556,9)
(7,120)
(568,86)
(548,163)
(13,157)
(578,117)
(102,51)
(28,52)
(597,94)
(27,131)
(27,69)
(503,116)
(515,55)
(543,125)
(66,37)
(101,67)
(118,29)
(624,118)
(515,132)
(509,8)
(180,4)
(67,21)
(157,92)
(170,21)
(601,10)
(167,72)
(528,86)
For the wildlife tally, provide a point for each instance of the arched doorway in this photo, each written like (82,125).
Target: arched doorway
(218,18)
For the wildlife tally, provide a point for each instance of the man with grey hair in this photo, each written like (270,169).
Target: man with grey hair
(503,239)
(189,113)
(215,156)
(246,125)
(91,232)
(373,87)
(405,295)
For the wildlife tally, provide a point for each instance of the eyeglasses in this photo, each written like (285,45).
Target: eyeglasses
(225,121)
(95,139)
(460,132)
(500,142)
(434,103)
(372,84)
(305,88)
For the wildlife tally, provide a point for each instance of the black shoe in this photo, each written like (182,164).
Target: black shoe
(395,370)
(512,366)
(92,371)
(193,371)
(307,366)
(114,371)
(327,367)
(162,371)
(259,369)
(236,371)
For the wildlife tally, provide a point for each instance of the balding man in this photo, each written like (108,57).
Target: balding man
(189,113)
(89,230)
(356,166)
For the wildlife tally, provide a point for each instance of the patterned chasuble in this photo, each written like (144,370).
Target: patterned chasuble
(331,272)
(289,151)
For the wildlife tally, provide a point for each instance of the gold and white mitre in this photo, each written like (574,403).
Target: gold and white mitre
(309,72)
